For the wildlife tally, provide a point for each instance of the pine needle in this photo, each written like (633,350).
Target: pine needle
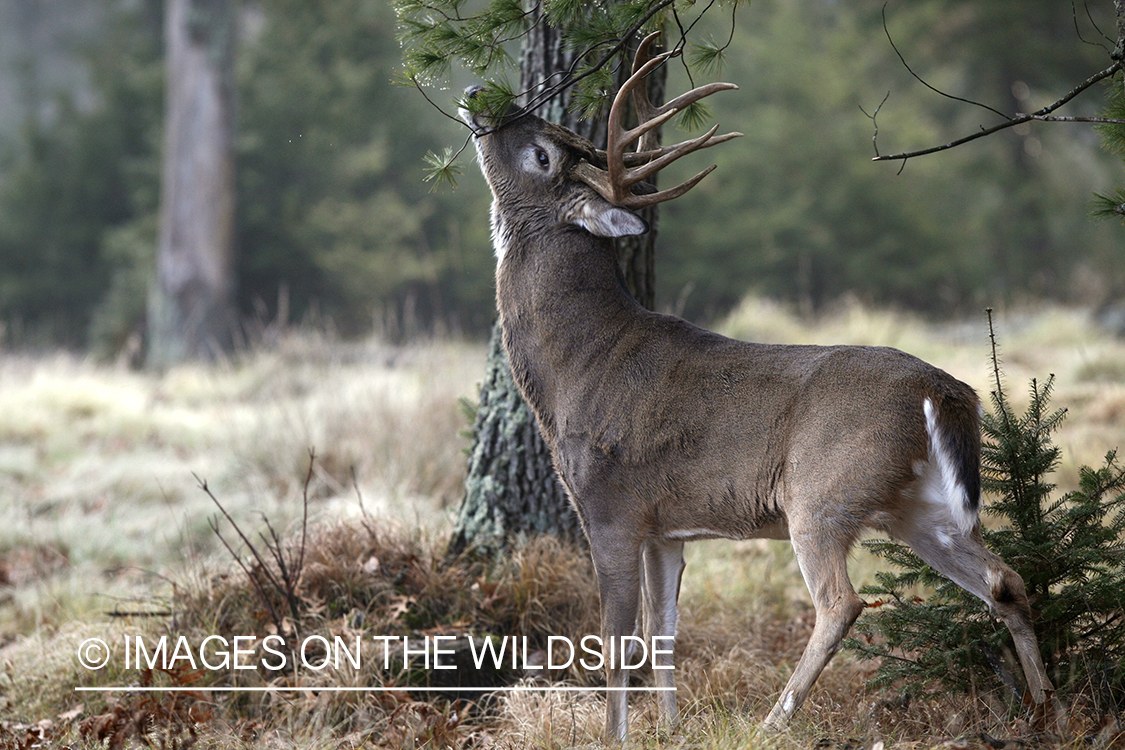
(442,169)
(707,56)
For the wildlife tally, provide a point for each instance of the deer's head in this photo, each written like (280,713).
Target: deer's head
(539,171)
(535,168)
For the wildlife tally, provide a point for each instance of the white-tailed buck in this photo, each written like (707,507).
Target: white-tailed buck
(663,432)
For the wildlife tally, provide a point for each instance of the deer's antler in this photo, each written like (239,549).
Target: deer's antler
(615,183)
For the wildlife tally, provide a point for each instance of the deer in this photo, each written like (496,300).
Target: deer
(663,432)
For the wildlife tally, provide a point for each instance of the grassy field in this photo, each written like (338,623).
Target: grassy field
(103,514)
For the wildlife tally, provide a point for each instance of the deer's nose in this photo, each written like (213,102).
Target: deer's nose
(463,111)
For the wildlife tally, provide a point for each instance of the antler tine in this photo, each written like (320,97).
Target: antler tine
(640,201)
(616,181)
(691,97)
(641,103)
(673,153)
(642,56)
(637,158)
(599,180)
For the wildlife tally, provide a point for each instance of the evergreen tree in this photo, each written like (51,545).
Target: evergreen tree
(73,180)
(799,211)
(333,208)
(332,215)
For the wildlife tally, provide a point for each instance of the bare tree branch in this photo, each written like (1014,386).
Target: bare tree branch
(1039,115)
(1090,18)
(875,122)
(1094,120)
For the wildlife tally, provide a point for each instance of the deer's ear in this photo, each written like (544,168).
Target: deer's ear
(601,218)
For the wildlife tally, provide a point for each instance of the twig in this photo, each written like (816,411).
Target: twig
(305,513)
(683,35)
(203,486)
(238,559)
(1000,397)
(923,81)
(432,103)
(289,569)
(1090,18)
(359,494)
(289,577)
(874,122)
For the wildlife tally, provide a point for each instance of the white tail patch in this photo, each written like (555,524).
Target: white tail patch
(941,485)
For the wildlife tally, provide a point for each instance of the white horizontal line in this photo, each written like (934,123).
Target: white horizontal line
(419,689)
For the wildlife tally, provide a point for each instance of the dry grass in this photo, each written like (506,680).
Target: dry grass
(99,464)
(105,513)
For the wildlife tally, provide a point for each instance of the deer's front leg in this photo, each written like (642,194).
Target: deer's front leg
(663,567)
(617,560)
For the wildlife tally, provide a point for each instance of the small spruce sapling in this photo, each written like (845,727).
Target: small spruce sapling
(1070,551)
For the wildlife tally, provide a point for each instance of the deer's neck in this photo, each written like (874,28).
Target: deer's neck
(563,306)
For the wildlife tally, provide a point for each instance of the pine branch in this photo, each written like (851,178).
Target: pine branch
(442,168)
(572,78)
(431,46)
(1109,206)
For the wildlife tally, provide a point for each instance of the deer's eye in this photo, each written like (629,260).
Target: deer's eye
(542,158)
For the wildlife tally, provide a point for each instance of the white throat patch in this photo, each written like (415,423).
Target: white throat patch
(500,236)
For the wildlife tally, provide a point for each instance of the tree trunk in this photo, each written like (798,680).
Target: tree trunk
(511,491)
(189,311)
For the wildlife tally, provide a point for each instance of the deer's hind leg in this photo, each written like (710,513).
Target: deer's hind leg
(822,550)
(962,558)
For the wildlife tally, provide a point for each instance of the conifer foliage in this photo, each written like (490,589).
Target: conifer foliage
(437,35)
(1112,205)
(1069,549)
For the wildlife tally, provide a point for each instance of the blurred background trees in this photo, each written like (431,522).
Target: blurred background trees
(334,222)
(190,311)
(333,219)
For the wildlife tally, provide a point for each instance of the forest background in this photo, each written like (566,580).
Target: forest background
(337,229)
(334,222)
